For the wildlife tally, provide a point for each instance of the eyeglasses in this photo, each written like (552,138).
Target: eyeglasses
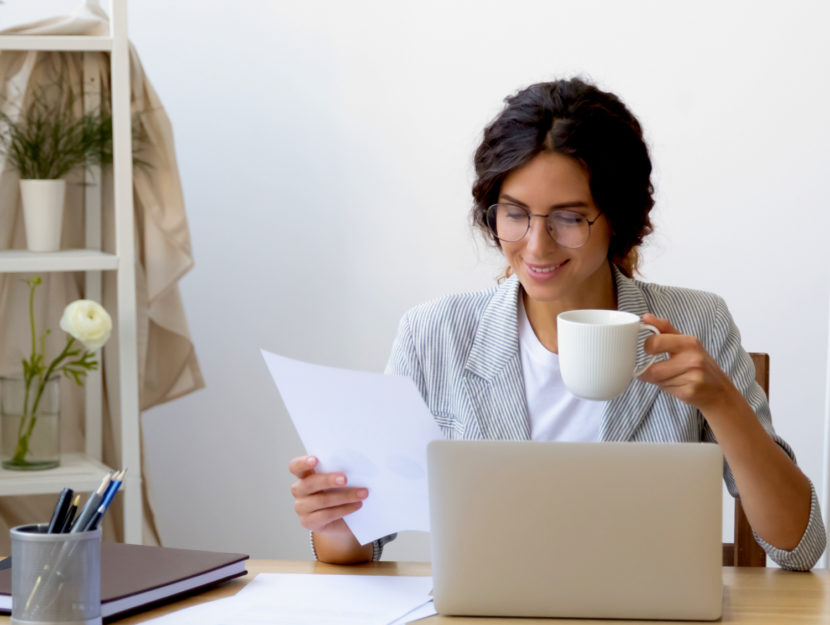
(510,223)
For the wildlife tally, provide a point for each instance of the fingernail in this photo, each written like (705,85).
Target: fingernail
(310,459)
(340,480)
(362,493)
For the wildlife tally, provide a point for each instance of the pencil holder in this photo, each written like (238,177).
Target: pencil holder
(56,578)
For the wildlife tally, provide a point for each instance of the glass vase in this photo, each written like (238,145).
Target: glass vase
(29,423)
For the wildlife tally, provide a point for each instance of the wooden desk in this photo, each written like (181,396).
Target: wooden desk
(757,596)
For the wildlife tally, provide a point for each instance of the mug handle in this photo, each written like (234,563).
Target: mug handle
(648,328)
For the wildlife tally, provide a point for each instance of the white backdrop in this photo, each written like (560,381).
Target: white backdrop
(325,149)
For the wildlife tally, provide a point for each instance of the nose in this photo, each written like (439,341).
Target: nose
(538,237)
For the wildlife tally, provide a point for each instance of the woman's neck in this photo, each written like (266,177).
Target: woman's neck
(601,294)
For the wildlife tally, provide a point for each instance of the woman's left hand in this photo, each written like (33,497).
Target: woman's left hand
(774,492)
(690,374)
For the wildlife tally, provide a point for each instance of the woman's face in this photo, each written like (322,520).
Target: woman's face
(548,271)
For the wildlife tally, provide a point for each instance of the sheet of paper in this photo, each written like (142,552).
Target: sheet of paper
(288,599)
(417,613)
(372,427)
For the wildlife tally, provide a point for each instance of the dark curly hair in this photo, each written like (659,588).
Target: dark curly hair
(575,118)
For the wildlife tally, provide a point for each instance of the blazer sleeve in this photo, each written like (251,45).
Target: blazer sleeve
(725,346)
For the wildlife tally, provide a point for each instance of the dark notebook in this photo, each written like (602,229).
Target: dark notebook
(135,576)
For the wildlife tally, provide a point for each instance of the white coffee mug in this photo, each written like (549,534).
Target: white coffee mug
(598,351)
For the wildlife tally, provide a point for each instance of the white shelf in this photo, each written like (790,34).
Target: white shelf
(22,261)
(76,471)
(68,42)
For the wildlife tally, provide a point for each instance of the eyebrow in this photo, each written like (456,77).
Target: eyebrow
(574,204)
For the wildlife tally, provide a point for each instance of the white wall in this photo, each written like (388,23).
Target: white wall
(325,149)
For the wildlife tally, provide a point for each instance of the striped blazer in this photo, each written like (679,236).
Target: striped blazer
(462,351)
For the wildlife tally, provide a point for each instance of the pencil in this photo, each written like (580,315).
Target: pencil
(117,480)
(91,505)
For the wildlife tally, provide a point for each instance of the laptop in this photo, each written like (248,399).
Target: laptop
(578,530)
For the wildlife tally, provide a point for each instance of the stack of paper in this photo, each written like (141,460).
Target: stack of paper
(306,599)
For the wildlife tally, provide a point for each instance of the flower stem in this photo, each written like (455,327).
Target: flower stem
(29,418)
(32,285)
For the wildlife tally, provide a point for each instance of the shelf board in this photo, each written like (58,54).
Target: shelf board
(76,471)
(22,261)
(55,42)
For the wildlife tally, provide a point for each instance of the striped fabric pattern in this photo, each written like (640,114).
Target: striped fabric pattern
(462,351)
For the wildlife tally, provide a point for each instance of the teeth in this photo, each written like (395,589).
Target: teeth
(547,270)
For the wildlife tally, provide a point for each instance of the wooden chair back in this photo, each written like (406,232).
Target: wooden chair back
(745,551)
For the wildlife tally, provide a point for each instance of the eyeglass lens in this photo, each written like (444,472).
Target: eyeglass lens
(511,223)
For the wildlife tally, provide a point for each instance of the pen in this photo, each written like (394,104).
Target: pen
(70,515)
(58,516)
(55,526)
(91,505)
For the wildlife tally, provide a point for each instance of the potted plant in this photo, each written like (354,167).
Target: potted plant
(44,142)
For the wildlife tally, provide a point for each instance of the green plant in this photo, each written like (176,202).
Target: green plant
(84,321)
(48,139)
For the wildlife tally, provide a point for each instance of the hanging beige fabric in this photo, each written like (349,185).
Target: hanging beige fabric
(167,362)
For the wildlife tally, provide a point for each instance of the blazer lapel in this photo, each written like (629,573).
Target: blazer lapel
(492,374)
(623,414)
(494,382)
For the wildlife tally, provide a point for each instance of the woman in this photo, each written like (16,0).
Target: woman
(563,188)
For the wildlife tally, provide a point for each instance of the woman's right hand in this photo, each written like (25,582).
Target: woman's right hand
(321,500)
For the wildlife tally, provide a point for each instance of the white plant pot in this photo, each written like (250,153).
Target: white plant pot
(43,213)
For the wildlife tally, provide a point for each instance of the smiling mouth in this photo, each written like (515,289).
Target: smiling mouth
(545,268)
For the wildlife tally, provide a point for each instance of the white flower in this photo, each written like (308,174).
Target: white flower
(88,322)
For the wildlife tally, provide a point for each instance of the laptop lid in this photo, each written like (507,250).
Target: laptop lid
(592,530)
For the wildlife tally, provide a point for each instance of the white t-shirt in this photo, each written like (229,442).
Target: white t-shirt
(555,414)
